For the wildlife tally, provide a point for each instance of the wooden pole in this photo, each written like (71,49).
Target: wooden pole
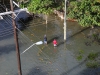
(16,41)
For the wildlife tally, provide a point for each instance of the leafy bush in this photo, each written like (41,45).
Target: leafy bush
(92,56)
(80,55)
(92,64)
(87,12)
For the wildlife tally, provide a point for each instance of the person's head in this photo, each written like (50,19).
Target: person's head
(45,35)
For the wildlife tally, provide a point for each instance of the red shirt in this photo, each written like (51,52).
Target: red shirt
(54,42)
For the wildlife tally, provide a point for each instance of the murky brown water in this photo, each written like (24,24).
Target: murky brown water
(45,59)
(62,60)
(76,35)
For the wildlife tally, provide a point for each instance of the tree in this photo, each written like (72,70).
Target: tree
(40,6)
(44,6)
(87,12)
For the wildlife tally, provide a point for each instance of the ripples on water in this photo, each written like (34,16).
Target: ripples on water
(60,60)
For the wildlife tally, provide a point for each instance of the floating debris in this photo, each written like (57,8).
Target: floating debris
(50,63)
(6,73)
(32,34)
(31,40)
(40,50)
(56,69)
(38,68)
(38,54)
(43,47)
(41,59)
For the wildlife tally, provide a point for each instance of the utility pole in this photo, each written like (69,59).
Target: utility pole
(16,40)
(65,22)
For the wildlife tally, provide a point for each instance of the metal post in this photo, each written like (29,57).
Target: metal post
(65,22)
(16,41)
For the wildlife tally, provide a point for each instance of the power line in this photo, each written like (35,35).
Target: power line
(38,48)
(7,32)
(6,35)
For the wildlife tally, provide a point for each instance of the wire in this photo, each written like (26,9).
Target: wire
(9,23)
(8,20)
(7,31)
(4,32)
(6,35)
(31,32)
(5,28)
(25,38)
(27,27)
(36,47)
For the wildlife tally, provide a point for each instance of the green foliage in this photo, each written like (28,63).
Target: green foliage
(92,56)
(81,51)
(87,12)
(92,64)
(23,4)
(92,61)
(44,6)
(39,6)
(80,55)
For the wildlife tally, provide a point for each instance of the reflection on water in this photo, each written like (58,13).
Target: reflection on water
(45,59)
(76,35)
(63,57)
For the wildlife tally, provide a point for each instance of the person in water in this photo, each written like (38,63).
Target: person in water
(54,42)
(45,39)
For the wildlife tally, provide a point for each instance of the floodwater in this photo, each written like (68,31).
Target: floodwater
(62,60)
(45,59)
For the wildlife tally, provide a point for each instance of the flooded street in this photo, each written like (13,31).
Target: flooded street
(45,59)
(63,59)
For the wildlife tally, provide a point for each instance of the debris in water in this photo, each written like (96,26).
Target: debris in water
(56,69)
